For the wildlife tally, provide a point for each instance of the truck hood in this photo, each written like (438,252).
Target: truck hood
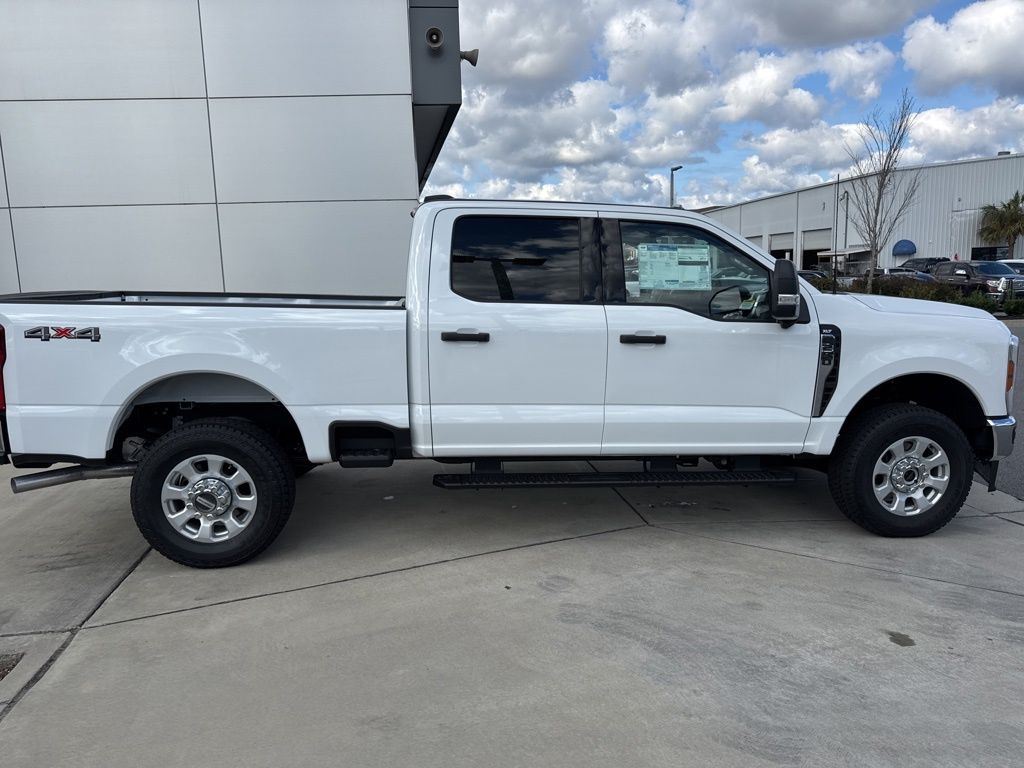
(920,307)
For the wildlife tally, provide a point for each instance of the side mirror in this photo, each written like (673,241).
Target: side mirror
(727,300)
(960,272)
(785,293)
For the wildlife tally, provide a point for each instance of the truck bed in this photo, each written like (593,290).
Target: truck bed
(78,362)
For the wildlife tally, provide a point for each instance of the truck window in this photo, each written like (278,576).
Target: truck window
(687,268)
(516,258)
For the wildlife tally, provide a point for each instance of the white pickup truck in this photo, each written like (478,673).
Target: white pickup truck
(528,330)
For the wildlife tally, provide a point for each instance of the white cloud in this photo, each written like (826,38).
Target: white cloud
(530,47)
(677,127)
(821,146)
(647,48)
(608,181)
(761,178)
(594,99)
(764,90)
(953,134)
(858,70)
(801,23)
(574,126)
(979,46)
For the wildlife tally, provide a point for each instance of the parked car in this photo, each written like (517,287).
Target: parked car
(922,263)
(903,272)
(1017,265)
(993,278)
(519,337)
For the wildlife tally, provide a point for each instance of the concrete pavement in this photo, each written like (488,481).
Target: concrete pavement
(397,624)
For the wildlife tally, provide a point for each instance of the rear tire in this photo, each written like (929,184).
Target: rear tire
(213,493)
(901,470)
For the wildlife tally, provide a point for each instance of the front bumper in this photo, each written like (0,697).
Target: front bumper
(1004,433)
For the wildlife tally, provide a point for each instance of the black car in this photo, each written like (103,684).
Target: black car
(922,263)
(901,272)
(991,277)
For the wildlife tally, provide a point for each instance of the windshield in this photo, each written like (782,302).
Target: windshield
(991,268)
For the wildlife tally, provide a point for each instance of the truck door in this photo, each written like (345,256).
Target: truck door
(517,334)
(696,365)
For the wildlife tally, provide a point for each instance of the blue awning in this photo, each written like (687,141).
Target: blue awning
(904,248)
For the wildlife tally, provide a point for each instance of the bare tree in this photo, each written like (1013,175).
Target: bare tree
(881,196)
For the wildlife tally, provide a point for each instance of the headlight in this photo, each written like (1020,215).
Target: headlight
(997,284)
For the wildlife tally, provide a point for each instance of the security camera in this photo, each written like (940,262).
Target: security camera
(435,38)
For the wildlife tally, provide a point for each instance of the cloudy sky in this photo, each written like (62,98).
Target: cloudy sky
(595,99)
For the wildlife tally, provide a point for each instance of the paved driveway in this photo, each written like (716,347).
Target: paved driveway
(395,624)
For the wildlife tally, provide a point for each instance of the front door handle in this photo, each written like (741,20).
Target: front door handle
(637,338)
(464,336)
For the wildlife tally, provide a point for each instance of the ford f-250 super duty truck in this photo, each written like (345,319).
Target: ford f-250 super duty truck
(527,331)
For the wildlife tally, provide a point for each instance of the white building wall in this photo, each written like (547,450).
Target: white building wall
(206,145)
(943,222)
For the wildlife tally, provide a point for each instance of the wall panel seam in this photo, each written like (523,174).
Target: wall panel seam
(222,202)
(213,162)
(10,213)
(216,98)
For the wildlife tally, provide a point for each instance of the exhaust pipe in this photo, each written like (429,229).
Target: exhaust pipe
(53,477)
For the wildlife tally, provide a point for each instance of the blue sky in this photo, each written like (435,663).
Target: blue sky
(594,99)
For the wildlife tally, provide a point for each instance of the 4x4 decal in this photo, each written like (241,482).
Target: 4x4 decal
(47,333)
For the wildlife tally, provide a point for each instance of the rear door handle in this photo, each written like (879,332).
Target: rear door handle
(464,336)
(636,338)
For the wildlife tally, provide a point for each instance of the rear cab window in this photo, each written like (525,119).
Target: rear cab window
(517,259)
(994,269)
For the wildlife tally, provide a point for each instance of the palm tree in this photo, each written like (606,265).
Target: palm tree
(1003,223)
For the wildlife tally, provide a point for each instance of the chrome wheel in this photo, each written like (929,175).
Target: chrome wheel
(208,498)
(911,475)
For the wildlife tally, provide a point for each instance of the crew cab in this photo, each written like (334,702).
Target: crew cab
(527,331)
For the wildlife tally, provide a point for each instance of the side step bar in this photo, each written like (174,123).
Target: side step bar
(612,479)
(68,475)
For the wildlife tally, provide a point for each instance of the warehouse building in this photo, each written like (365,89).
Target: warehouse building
(815,225)
(240,145)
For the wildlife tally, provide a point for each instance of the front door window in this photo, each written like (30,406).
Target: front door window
(683,267)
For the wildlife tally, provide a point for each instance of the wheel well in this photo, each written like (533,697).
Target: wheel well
(940,393)
(171,402)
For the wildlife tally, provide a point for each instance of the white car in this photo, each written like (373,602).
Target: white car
(520,337)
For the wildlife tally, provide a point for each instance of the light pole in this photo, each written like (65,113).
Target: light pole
(672,185)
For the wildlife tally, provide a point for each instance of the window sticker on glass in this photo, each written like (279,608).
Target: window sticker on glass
(674,266)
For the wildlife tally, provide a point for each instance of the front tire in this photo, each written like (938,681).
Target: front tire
(213,493)
(901,470)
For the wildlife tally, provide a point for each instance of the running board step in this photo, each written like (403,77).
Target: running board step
(612,479)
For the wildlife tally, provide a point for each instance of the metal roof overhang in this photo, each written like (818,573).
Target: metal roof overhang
(844,251)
